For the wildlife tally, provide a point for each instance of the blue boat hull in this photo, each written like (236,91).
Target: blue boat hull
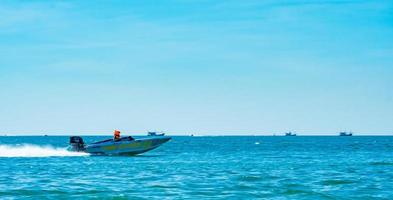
(124,146)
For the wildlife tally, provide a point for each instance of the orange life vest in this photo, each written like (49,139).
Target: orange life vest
(116,134)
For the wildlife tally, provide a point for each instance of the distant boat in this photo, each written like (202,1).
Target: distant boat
(155,134)
(290,134)
(345,134)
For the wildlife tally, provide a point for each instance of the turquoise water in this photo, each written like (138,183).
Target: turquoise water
(202,168)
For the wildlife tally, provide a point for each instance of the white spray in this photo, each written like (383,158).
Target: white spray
(30,150)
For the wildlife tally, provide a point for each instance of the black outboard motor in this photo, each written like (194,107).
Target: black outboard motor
(77,144)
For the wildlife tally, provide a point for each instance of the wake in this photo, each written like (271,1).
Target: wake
(30,150)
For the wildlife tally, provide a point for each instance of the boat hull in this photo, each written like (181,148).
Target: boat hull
(125,147)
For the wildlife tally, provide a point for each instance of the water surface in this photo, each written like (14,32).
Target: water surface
(202,168)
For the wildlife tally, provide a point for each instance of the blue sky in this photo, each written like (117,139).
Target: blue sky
(202,67)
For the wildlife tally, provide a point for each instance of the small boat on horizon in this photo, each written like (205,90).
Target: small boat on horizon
(153,133)
(290,134)
(345,134)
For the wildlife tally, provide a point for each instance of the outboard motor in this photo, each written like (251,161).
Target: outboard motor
(77,144)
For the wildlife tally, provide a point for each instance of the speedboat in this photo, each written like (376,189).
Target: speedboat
(121,146)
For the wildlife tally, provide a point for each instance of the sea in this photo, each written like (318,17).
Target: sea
(220,167)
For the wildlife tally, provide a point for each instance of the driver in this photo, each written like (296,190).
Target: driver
(116,135)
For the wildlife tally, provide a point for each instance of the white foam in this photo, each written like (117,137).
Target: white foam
(30,150)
